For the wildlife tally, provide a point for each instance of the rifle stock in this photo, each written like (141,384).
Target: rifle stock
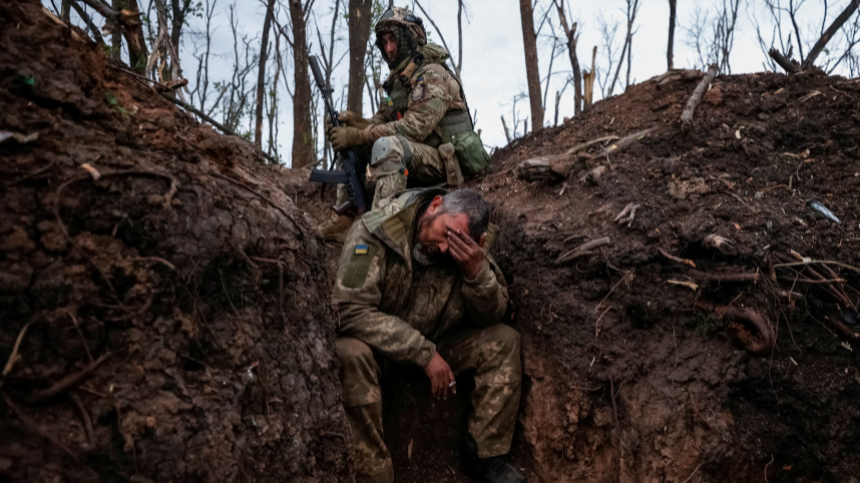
(352,174)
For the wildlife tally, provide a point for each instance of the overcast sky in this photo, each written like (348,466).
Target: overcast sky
(494,63)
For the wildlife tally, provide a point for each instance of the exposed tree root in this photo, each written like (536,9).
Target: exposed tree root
(759,342)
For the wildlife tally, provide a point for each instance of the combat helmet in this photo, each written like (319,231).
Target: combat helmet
(406,28)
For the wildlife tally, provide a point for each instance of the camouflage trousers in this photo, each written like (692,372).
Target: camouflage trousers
(395,159)
(492,352)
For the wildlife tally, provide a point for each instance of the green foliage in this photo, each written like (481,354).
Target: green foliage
(26,81)
(111,100)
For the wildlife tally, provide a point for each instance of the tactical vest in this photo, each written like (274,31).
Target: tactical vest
(455,127)
(454,122)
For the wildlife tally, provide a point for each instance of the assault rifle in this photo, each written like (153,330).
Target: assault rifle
(352,175)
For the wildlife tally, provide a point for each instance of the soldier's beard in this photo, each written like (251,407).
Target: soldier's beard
(423,254)
(419,254)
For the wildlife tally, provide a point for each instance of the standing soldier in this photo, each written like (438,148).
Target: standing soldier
(423,129)
(414,285)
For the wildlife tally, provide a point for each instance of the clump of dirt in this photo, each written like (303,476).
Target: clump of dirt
(634,349)
(162,297)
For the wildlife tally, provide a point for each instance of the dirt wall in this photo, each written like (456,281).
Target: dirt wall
(169,298)
(637,369)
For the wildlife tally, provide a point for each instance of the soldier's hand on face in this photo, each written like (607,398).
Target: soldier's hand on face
(468,254)
(441,377)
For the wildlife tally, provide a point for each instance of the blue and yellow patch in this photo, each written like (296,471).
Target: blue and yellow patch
(361,249)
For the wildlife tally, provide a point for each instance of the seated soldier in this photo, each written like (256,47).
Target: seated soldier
(424,112)
(415,285)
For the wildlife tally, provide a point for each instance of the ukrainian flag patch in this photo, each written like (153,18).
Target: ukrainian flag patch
(361,249)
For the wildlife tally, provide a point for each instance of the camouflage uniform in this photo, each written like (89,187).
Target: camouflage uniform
(424,103)
(393,308)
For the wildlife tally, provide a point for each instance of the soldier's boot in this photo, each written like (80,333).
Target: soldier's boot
(388,163)
(335,228)
(494,469)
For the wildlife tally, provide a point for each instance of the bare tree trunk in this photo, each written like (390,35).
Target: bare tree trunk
(359,33)
(94,31)
(134,38)
(132,29)
(670,51)
(460,38)
(632,10)
(507,133)
(572,38)
(303,143)
(116,37)
(829,33)
(589,82)
(66,10)
(180,11)
(261,74)
(629,61)
(532,73)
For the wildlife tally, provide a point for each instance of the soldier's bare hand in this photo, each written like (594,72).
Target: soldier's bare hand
(441,377)
(468,254)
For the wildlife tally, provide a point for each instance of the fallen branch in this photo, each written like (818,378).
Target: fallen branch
(726,277)
(676,259)
(627,141)
(66,383)
(582,250)
(85,415)
(13,357)
(552,168)
(696,98)
(787,64)
(582,146)
(844,329)
(676,75)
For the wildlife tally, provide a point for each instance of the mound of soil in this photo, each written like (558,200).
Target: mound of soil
(162,298)
(635,359)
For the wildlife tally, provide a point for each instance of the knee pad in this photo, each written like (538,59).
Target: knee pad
(387,155)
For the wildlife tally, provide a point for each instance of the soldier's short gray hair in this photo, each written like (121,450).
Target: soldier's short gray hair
(471,204)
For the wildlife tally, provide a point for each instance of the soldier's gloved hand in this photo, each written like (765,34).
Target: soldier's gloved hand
(351,119)
(468,255)
(441,378)
(347,119)
(346,137)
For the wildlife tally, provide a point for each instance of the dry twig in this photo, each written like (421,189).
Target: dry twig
(676,259)
(66,383)
(582,250)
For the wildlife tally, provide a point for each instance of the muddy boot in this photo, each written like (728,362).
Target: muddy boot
(335,228)
(494,469)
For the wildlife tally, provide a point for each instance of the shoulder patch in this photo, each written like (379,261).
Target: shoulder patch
(359,266)
(418,92)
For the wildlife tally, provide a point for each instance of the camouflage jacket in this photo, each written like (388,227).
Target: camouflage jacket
(417,103)
(398,307)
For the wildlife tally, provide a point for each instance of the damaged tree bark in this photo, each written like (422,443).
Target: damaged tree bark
(696,98)
(532,74)
(132,29)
